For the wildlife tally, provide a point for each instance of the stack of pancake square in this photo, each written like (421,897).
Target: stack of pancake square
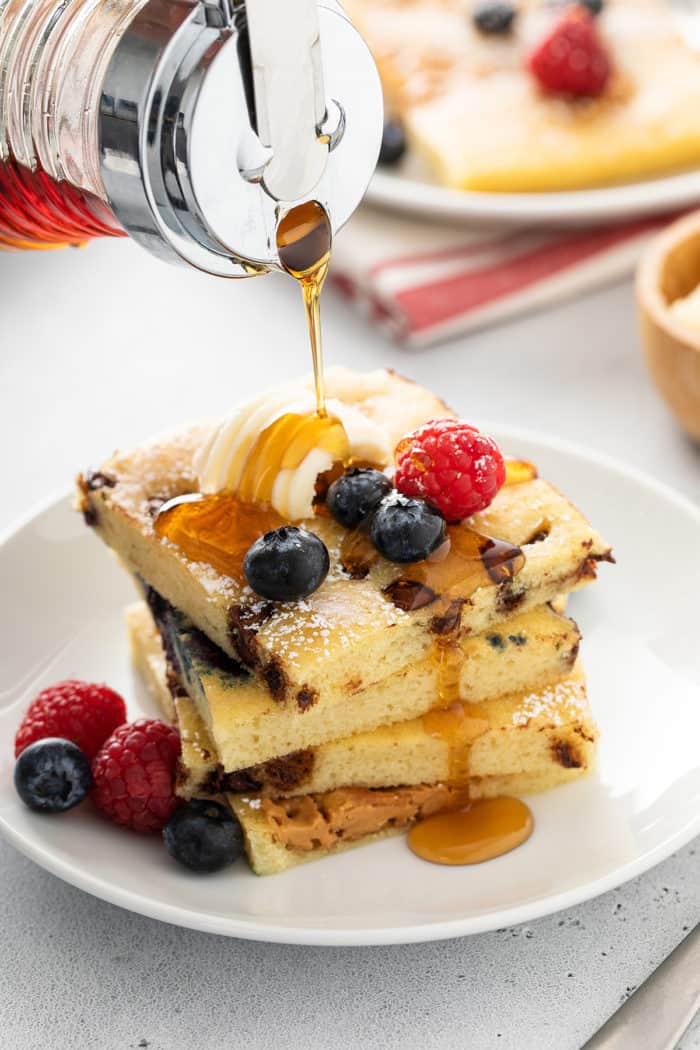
(346,717)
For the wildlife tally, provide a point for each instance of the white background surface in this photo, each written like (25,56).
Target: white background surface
(101,347)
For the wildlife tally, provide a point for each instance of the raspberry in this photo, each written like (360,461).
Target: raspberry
(572,59)
(81,712)
(133,775)
(451,465)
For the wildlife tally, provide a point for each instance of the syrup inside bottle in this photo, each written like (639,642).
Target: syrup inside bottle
(36,211)
(304,248)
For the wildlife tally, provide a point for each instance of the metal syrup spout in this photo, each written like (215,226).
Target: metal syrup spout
(219,116)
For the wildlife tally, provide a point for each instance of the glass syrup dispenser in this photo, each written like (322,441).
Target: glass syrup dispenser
(191,126)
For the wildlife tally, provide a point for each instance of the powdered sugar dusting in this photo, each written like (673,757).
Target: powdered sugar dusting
(558,704)
(323,625)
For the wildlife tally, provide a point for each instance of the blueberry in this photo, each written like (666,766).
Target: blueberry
(594,7)
(493,18)
(393,144)
(286,564)
(52,775)
(405,530)
(203,835)
(355,495)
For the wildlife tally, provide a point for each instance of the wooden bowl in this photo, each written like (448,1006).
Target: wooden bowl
(669,270)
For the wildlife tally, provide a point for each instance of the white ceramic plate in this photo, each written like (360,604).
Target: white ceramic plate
(62,616)
(408,193)
(410,187)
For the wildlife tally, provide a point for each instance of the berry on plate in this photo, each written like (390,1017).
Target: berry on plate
(452,465)
(355,494)
(203,835)
(83,712)
(52,775)
(133,775)
(393,144)
(493,18)
(406,530)
(286,564)
(572,59)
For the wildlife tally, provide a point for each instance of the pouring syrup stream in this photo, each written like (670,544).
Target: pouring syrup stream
(218,528)
(304,246)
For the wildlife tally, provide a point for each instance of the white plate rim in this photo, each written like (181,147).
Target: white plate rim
(566,207)
(316,936)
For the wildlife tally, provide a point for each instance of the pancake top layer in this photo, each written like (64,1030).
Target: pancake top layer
(344,614)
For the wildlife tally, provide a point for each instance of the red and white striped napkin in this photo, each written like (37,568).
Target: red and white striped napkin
(423,281)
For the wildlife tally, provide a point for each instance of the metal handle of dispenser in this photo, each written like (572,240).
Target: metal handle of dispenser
(290,101)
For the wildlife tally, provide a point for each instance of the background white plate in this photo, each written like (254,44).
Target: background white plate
(61,616)
(410,186)
(419,196)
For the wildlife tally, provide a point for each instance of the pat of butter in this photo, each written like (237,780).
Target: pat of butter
(686,311)
(233,458)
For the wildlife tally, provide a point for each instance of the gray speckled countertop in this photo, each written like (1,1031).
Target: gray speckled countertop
(76,972)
